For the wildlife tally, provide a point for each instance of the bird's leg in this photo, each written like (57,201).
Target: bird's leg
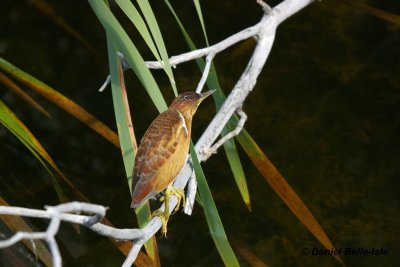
(180,195)
(164,215)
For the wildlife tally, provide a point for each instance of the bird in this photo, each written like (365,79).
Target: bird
(163,152)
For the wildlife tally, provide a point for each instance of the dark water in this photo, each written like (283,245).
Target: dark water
(325,110)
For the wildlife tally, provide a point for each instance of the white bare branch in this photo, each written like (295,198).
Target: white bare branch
(191,189)
(207,152)
(106,82)
(101,229)
(206,71)
(56,214)
(264,33)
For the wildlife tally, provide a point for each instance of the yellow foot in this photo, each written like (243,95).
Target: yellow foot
(164,215)
(180,195)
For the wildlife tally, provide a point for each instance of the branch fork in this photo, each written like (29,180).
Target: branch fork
(208,151)
(264,32)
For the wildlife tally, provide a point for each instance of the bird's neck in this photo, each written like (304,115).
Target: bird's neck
(188,119)
(189,126)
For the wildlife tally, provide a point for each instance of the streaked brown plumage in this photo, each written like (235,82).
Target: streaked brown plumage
(163,149)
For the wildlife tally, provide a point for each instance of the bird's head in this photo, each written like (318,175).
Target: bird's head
(187,102)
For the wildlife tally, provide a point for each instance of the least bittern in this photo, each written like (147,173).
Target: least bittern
(162,153)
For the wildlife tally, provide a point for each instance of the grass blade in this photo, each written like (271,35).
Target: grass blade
(178,21)
(155,31)
(219,98)
(132,55)
(127,137)
(284,190)
(266,168)
(131,12)
(17,128)
(122,42)
(21,93)
(246,254)
(48,10)
(229,146)
(122,116)
(213,220)
(281,186)
(200,15)
(61,101)
(378,13)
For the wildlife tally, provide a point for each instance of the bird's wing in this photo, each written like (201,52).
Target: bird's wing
(158,144)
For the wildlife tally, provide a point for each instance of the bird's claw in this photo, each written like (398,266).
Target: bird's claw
(164,215)
(180,195)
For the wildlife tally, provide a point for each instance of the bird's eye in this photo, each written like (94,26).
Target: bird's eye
(187,97)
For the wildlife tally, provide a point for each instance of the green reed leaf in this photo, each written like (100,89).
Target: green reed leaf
(124,44)
(213,220)
(156,33)
(229,146)
(25,136)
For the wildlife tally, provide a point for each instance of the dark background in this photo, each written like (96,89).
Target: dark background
(325,110)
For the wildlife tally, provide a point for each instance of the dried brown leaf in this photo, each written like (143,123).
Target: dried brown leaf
(284,190)
(21,93)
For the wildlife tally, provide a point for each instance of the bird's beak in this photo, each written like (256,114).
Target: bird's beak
(205,94)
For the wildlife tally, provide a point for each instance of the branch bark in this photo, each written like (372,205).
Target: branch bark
(264,32)
(60,213)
